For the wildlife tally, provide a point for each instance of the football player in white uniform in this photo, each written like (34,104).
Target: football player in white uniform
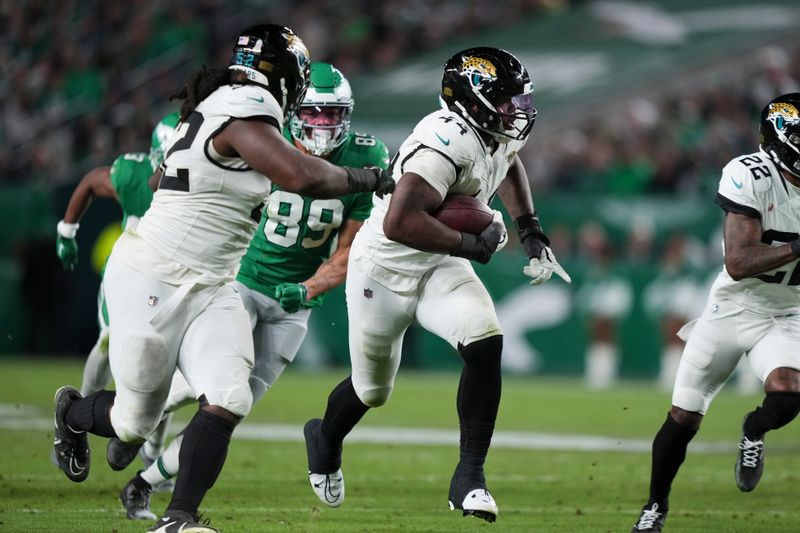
(752,310)
(405,265)
(169,282)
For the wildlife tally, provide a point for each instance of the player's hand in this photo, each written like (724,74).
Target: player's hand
(498,217)
(481,247)
(67,250)
(542,268)
(384,184)
(291,296)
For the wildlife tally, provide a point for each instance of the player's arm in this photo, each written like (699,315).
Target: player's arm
(515,193)
(262,146)
(330,273)
(333,271)
(95,184)
(409,221)
(745,254)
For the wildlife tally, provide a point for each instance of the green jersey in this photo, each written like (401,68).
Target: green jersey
(129,175)
(297,234)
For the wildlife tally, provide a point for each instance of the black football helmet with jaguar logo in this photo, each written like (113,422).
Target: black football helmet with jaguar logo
(779,129)
(492,90)
(276,58)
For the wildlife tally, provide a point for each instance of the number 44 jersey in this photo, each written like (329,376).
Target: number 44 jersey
(752,185)
(297,234)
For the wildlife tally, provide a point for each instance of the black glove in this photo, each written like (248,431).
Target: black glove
(531,236)
(369,179)
(481,247)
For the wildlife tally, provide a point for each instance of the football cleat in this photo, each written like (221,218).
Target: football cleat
(749,462)
(651,520)
(478,503)
(71,448)
(181,522)
(468,493)
(324,466)
(119,455)
(136,502)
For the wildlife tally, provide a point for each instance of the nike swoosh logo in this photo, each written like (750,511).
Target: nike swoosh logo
(260,99)
(74,468)
(445,142)
(333,497)
(163,528)
(736,184)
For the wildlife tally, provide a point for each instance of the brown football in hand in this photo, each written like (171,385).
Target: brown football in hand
(464,213)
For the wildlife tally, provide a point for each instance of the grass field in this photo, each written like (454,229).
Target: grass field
(555,482)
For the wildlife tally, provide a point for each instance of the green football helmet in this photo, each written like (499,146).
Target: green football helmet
(323,118)
(161,134)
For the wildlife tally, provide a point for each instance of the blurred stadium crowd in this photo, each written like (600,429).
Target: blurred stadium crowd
(78,90)
(86,88)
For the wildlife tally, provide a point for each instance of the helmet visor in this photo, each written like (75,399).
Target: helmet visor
(517,115)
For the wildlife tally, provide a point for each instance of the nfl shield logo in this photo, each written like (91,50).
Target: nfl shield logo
(367,293)
(152,301)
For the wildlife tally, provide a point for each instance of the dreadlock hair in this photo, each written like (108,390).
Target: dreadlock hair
(199,86)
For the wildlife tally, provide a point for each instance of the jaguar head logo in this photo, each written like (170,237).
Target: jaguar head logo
(478,70)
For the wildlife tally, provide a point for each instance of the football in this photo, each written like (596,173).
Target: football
(464,213)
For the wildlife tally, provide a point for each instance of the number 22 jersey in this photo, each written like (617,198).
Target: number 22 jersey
(753,186)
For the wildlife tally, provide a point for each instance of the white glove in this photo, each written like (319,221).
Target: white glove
(498,217)
(541,269)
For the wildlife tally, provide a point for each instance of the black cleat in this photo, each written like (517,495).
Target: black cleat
(468,493)
(180,522)
(119,455)
(749,461)
(324,465)
(651,520)
(71,449)
(136,502)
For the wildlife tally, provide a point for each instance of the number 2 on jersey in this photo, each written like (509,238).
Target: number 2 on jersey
(285,217)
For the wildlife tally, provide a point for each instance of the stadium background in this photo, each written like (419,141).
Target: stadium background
(640,105)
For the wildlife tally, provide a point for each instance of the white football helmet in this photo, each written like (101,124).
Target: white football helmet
(323,118)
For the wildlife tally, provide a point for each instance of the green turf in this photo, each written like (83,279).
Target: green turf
(403,487)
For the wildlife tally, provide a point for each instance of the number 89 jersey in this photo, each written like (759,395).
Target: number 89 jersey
(752,185)
(296,233)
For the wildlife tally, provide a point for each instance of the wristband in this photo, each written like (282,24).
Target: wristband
(360,179)
(66,230)
(795,246)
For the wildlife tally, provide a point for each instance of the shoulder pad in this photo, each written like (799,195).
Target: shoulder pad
(370,148)
(243,101)
(448,133)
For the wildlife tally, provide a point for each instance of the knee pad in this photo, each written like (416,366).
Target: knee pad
(373,396)
(132,427)
(238,399)
(143,361)
(689,400)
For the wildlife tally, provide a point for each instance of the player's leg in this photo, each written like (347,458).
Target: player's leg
(216,358)
(455,306)
(377,319)
(717,340)
(776,361)
(140,360)
(277,336)
(97,370)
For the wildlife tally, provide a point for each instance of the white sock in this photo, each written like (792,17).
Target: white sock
(97,370)
(166,466)
(601,365)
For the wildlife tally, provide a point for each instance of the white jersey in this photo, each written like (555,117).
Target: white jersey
(752,185)
(207,206)
(450,155)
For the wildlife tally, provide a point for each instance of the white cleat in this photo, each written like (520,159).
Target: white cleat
(478,503)
(329,488)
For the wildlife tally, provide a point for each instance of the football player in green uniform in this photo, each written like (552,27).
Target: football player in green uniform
(298,254)
(126,181)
